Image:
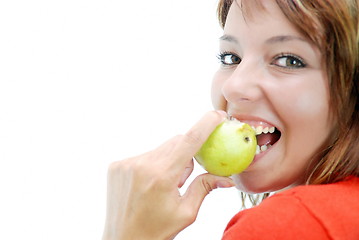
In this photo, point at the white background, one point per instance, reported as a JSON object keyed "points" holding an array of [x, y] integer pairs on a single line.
{"points": [[84, 83]]}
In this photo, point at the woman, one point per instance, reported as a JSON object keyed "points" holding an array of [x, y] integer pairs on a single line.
{"points": [[292, 65]]}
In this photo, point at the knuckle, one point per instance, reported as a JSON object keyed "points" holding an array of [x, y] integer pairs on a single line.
{"points": [[144, 170], [141, 167], [206, 185], [188, 216], [193, 136], [114, 167], [118, 167]]}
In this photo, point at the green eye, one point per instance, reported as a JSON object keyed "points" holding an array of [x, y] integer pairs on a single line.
{"points": [[229, 58], [289, 61]]}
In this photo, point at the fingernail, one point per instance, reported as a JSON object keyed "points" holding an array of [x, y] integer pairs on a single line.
{"points": [[223, 113], [224, 184]]}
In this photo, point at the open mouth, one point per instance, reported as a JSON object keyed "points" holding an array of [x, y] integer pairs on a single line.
{"points": [[266, 134], [266, 137]]}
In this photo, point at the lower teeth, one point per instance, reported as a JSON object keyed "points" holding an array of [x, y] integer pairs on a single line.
{"points": [[262, 148]]}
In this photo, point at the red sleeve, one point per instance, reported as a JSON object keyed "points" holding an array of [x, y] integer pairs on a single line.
{"points": [[278, 217]]}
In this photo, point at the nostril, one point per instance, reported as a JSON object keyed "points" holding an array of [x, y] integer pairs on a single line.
{"points": [[243, 99]]}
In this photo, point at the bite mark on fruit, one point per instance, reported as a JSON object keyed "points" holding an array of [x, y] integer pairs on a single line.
{"points": [[266, 134], [229, 149]]}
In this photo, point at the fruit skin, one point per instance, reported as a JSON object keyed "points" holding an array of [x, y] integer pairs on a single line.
{"points": [[229, 149]]}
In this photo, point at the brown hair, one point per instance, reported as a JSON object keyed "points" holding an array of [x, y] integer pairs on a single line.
{"points": [[332, 25]]}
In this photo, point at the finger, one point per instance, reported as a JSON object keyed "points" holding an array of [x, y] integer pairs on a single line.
{"points": [[167, 147], [201, 187], [192, 141], [187, 172]]}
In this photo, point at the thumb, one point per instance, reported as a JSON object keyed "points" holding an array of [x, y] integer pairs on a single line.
{"points": [[201, 186]]}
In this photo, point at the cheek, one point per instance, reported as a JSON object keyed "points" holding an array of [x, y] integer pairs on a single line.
{"points": [[312, 104], [218, 100], [308, 103], [305, 114]]}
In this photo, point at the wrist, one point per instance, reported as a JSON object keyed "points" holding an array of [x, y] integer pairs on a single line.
{"points": [[113, 235]]}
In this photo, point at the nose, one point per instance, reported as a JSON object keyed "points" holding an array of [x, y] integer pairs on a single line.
{"points": [[243, 85]]}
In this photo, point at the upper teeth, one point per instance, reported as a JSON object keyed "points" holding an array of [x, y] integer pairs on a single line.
{"points": [[261, 129], [265, 130]]}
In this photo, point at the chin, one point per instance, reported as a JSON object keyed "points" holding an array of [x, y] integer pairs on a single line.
{"points": [[251, 184]]}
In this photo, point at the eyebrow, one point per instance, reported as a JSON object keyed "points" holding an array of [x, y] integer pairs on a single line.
{"points": [[228, 38], [272, 40], [284, 38]]}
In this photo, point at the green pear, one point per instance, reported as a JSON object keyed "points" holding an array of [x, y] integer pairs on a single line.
{"points": [[229, 149]]}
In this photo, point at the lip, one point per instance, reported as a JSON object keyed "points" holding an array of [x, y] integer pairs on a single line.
{"points": [[256, 121], [261, 154], [257, 158], [252, 120]]}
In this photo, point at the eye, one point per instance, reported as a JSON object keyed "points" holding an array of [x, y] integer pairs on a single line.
{"points": [[228, 58], [289, 61]]}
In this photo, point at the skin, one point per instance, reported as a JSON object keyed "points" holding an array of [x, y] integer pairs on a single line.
{"points": [[143, 201], [274, 77]]}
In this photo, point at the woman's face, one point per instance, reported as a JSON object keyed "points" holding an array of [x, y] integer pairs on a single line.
{"points": [[271, 76]]}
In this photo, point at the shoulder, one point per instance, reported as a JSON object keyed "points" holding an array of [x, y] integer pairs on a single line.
{"points": [[305, 212]]}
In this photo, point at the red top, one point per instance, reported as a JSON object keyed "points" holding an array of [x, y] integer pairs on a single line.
{"points": [[317, 212]]}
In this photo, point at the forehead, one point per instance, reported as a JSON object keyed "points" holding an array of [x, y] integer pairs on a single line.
{"points": [[248, 7], [255, 14], [303, 15], [290, 9]]}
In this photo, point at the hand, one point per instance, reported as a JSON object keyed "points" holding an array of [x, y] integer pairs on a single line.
{"points": [[143, 201]]}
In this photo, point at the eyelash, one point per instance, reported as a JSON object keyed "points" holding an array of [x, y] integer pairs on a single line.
{"points": [[301, 63], [298, 60], [221, 57]]}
